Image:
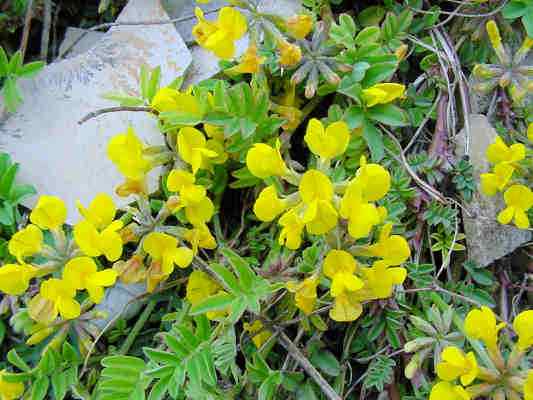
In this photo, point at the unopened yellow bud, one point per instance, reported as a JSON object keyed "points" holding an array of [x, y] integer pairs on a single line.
{"points": [[290, 54], [401, 52], [299, 25], [39, 336]]}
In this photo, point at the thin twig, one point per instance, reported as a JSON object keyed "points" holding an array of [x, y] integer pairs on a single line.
{"points": [[97, 113], [47, 23], [454, 13], [307, 366], [137, 327], [423, 123], [26, 30]]}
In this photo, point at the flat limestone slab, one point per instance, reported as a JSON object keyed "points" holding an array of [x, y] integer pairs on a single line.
{"points": [[60, 157], [87, 42], [487, 240]]}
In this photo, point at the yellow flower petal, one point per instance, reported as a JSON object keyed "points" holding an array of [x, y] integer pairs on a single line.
{"points": [[345, 309], [530, 132], [101, 211], [523, 326], [15, 278], [49, 213], [528, 386], [268, 205], [315, 185], [10, 390], [26, 242], [264, 161], [448, 391], [481, 324], [330, 142], [299, 25], [291, 233], [339, 261]]}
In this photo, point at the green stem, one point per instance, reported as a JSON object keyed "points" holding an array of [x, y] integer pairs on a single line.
{"points": [[137, 327]]}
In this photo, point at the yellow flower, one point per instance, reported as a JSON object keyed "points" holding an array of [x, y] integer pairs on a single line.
{"points": [[60, 294], [10, 390], [265, 161], [82, 273], [98, 234], [218, 148], [165, 253], [214, 132], [15, 278], [523, 326], [299, 25], [168, 99], [530, 132], [448, 391], [330, 142], [382, 93], [289, 54], [126, 152], [291, 233], [492, 183], [380, 279], [481, 324], [249, 63], [316, 191], [305, 293], [340, 267], [200, 236], [401, 51], [374, 179], [200, 286], [392, 249], [268, 205], [498, 152], [456, 364], [519, 199], [192, 148], [220, 36], [346, 308], [198, 207], [132, 270], [258, 333], [49, 213], [26, 242], [528, 386]]}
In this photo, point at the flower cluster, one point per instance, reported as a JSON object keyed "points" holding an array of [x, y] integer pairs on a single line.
{"points": [[507, 176], [503, 378]]}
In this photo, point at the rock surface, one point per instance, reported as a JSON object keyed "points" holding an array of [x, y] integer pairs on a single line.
{"points": [[72, 45], [120, 300], [487, 240], [60, 157]]}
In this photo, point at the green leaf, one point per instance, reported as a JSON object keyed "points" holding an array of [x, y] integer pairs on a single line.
{"points": [[20, 192], [371, 15], [379, 373], [3, 63], [268, 387], [59, 385], [2, 331], [374, 140], [368, 35], [514, 9], [144, 81], [388, 114], [326, 362], [17, 361], [226, 277], [7, 179], [379, 72], [159, 390], [354, 117], [217, 302], [15, 63], [241, 267], [153, 84], [40, 388], [29, 70], [11, 93], [527, 21], [124, 100]]}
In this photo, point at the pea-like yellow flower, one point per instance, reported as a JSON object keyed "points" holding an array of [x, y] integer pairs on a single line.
{"points": [[456, 364], [165, 253], [289, 54], [265, 161], [481, 324], [380, 279], [169, 99], [316, 191], [530, 132], [15, 278], [198, 207], [97, 234], [498, 152], [125, 150], [268, 205], [340, 267], [528, 386], [448, 391], [131, 270], [26, 242], [382, 93], [392, 249], [292, 228], [518, 199], [200, 286], [523, 326], [82, 273], [192, 148], [200, 237], [10, 390], [304, 293], [258, 333], [299, 25], [60, 295], [219, 36], [249, 63], [49, 213], [330, 142], [346, 308], [494, 182], [372, 183]]}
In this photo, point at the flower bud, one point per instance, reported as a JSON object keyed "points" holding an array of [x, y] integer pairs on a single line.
{"points": [[132, 270], [412, 367], [417, 344], [290, 54], [299, 26], [401, 51], [39, 336]]}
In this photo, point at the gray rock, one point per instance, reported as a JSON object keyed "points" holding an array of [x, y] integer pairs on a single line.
{"points": [[120, 302], [487, 240], [77, 41], [62, 158]]}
